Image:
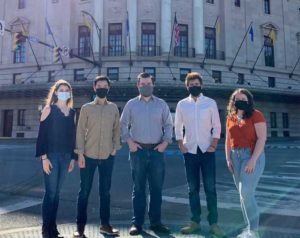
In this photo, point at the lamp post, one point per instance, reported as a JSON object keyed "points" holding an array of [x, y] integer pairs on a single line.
{"points": [[99, 37]]}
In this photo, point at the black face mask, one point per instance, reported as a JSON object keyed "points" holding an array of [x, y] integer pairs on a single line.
{"points": [[101, 92], [241, 105], [195, 90]]}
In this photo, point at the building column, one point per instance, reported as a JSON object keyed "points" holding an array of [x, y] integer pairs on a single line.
{"points": [[166, 25], [132, 13], [198, 26], [98, 15]]}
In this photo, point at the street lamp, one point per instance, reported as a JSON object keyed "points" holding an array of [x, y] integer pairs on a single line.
{"points": [[99, 37]]}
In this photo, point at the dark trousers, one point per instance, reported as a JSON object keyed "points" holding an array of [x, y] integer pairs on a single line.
{"points": [[206, 162], [105, 168], [147, 165], [53, 183]]}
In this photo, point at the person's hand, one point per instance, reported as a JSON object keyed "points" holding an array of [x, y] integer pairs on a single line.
{"points": [[250, 167], [133, 147], [114, 152], [81, 161], [182, 148], [211, 149], [47, 166], [161, 147], [229, 165], [71, 166]]}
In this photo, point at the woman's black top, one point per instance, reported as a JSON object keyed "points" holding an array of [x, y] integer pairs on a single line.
{"points": [[57, 133]]}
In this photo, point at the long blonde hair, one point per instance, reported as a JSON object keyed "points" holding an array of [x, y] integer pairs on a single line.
{"points": [[52, 98]]}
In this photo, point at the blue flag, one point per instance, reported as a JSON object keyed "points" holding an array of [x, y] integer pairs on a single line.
{"points": [[251, 33], [127, 25], [48, 28]]}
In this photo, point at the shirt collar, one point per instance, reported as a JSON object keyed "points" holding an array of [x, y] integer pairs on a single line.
{"points": [[97, 100], [200, 98], [151, 98]]}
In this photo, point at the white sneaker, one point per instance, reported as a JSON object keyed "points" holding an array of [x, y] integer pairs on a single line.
{"points": [[248, 234]]}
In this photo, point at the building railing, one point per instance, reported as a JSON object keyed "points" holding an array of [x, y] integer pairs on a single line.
{"points": [[149, 51], [184, 52]]}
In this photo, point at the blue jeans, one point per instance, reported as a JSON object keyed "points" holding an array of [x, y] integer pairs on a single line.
{"points": [[206, 162], [247, 183], [53, 183], [105, 168], [147, 164]]}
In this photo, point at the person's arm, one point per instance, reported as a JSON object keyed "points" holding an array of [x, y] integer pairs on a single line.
{"points": [[228, 150], [179, 129], [116, 133], [125, 134], [80, 137], [216, 128], [261, 133]]}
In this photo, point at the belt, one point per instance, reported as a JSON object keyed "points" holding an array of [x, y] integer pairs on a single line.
{"points": [[147, 146]]}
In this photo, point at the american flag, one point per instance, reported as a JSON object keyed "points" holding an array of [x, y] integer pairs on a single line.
{"points": [[176, 32]]}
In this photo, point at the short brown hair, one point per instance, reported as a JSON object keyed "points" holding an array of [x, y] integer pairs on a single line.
{"points": [[145, 75], [101, 78], [192, 76]]}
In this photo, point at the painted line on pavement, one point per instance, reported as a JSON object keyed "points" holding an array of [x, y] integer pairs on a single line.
{"points": [[19, 205]]}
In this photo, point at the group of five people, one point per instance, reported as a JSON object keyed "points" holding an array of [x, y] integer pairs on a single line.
{"points": [[146, 126]]}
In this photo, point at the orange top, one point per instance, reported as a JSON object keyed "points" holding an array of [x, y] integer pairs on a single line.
{"points": [[244, 134]]}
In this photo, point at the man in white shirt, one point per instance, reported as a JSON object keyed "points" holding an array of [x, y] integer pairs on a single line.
{"points": [[199, 117]]}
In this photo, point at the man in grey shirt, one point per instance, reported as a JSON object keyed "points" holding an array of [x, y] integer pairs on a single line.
{"points": [[146, 125]]}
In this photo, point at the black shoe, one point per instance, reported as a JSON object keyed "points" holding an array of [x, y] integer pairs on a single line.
{"points": [[79, 233], [135, 230], [160, 228], [55, 232]]}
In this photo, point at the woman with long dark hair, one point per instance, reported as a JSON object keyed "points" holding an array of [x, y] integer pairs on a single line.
{"points": [[55, 146], [245, 140]]}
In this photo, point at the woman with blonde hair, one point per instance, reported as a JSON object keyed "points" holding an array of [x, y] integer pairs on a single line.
{"points": [[55, 146], [245, 140]]}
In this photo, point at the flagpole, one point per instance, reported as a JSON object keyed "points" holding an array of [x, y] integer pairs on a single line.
{"points": [[171, 41], [51, 33], [203, 61], [292, 73], [231, 66], [37, 63], [252, 69], [129, 45]]}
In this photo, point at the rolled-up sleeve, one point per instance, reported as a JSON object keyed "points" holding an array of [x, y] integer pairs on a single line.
{"points": [[216, 125], [81, 131], [125, 123], [178, 123], [167, 124]]}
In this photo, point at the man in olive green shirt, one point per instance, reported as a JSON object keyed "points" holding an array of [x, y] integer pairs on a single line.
{"points": [[97, 139]]}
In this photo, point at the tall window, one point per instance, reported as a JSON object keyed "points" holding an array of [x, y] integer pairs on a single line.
{"points": [[84, 41], [210, 1], [237, 3], [113, 73], [210, 42], [21, 117], [51, 76], [271, 82], [21, 4], [182, 48], [115, 39], [241, 78], [269, 52], [273, 119], [285, 120], [148, 47], [267, 6], [20, 52], [183, 73], [151, 71], [217, 76]]}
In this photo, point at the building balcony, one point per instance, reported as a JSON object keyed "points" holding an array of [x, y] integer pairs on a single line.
{"points": [[113, 51], [149, 51], [184, 52]]}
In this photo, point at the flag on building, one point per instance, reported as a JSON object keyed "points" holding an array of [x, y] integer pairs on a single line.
{"points": [[48, 27], [218, 26], [272, 35], [127, 25], [87, 23], [251, 33], [176, 32]]}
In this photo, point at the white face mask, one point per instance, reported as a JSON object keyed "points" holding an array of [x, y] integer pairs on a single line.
{"points": [[63, 96]]}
